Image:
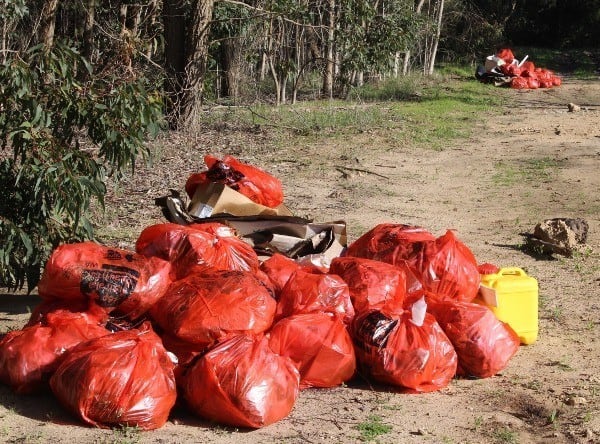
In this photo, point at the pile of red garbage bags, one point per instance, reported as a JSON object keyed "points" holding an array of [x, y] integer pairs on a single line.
{"points": [[193, 314], [519, 74]]}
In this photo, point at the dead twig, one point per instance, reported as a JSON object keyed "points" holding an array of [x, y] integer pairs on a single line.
{"points": [[361, 170]]}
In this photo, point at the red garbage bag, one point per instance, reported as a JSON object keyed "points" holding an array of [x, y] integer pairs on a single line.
{"points": [[313, 291], [449, 269], [48, 306], [391, 243], [528, 67], [184, 351], [279, 268], [506, 55], [204, 307], [230, 252], [242, 383], [165, 241], [519, 83], [533, 83], [211, 245], [372, 284], [510, 70], [319, 345], [112, 278], [483, 343], [28, 357], [253, 182], [556, 81], [124, 378], [397, 351]]}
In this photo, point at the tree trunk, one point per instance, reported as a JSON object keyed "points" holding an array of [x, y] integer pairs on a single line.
{"points": [[174, 30], [48, 22], [196, 60], [88, 30], [407, 54], [230, 66], [436, 39], [329, 63]]}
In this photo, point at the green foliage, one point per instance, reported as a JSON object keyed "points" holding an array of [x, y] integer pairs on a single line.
{"points": [[372, 428], [67, 137]]}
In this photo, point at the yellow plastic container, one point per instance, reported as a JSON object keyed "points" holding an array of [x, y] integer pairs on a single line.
{"points": [[513, 297]]}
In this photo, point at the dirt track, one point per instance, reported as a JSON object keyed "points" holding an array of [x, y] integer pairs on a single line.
{"points": [[534, 161]]}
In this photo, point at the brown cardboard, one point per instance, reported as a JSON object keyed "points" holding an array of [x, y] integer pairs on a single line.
{"points": [[215, 198], [291, 236]]}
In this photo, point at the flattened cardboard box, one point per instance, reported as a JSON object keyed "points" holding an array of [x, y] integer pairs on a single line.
{"points": [[267, 230], [294, 237], [216, 198]]}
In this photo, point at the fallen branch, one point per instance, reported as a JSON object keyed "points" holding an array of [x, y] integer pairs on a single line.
{"points": [[361, 170]]}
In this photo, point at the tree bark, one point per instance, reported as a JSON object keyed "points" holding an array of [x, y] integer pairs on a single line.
{"points": [[174, 30], [436, 39], [196, 59], [329, 63], [88, 30], [48, 22]]}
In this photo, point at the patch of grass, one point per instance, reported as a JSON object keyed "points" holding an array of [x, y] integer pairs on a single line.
{"points": [[372, 428], [429, 110], [563, 364], [126, 435], [532, 170], [556, 314], [478, 422], [403, 88], [504, 436], [535, 385]]}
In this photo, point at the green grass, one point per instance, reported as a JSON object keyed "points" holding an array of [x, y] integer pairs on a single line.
{"points": [[427, 111], [372, 428], [126, 435], [505, 436], [532, 170]]}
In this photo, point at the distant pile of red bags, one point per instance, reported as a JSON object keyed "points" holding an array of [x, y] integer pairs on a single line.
{"points": [[194, 315], [527, 75]]}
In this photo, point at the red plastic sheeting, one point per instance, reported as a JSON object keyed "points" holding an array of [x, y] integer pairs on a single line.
{"points": [[253, 182], [112, 278], [28, 357], [242, 383], [122, 379], [319, 345], [204, 308]]}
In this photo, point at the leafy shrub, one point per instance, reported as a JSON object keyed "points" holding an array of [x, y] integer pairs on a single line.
{"points": [[68, 131]]}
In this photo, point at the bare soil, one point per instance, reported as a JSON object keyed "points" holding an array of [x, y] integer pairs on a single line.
{"points": [[531, 161]]}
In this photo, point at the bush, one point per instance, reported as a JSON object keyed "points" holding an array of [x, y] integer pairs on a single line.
{"points": [[68, 131]]}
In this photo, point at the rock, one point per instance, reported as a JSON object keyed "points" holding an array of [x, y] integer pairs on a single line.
{"points": [[559, 235], [573, 108], [576, 400]]}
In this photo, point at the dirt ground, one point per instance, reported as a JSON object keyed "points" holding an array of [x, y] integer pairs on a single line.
{"points": [[534, 160]]}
